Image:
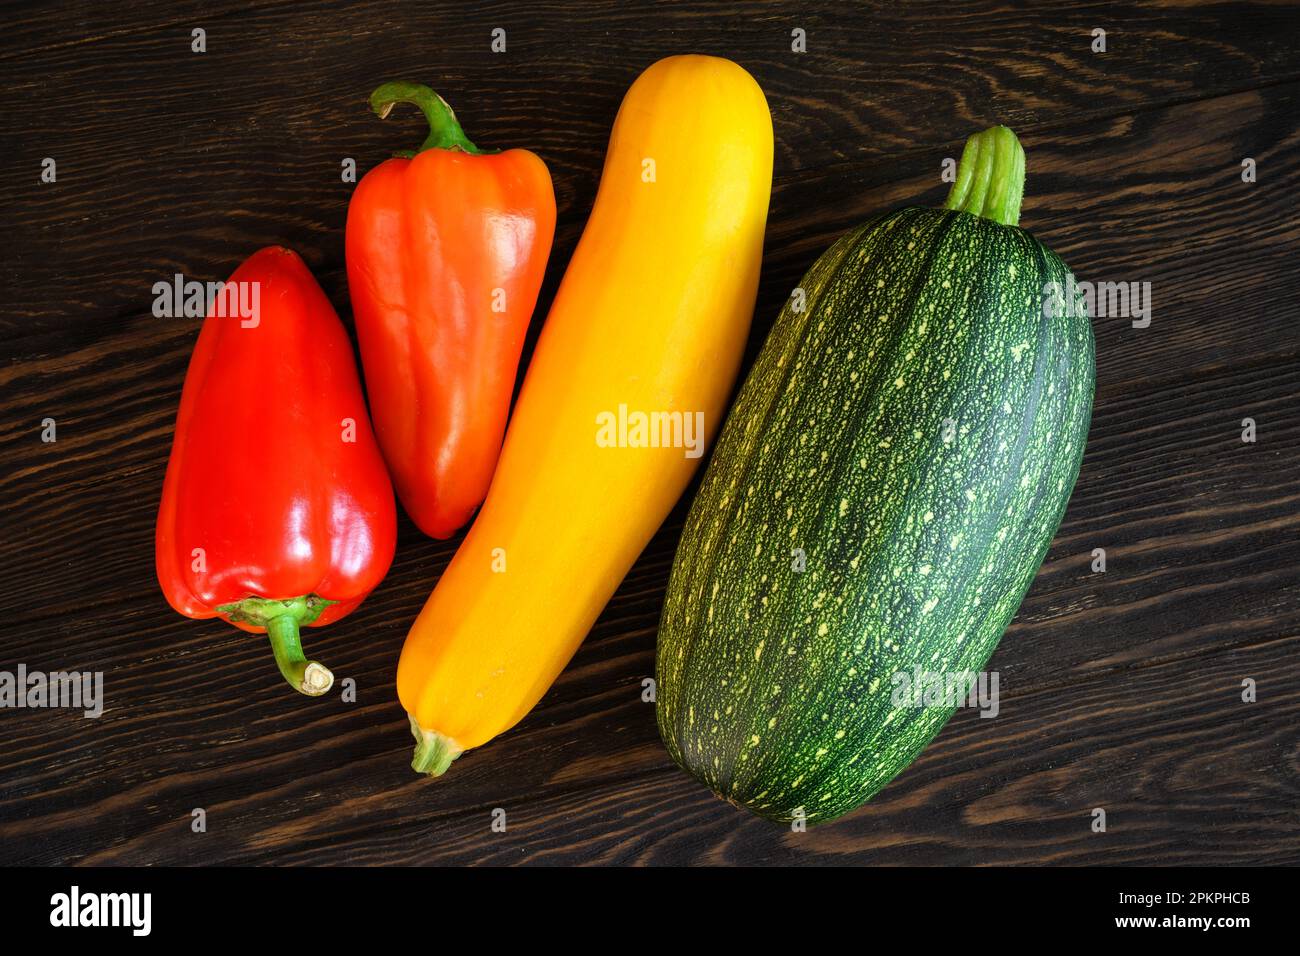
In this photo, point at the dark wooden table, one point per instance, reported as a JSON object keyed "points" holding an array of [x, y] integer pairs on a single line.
{"points": [[1120, 690]]}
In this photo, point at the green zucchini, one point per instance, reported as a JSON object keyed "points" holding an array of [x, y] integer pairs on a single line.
{"points": [[879, 500]]}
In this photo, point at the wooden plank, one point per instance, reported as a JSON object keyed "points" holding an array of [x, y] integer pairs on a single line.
{"points": [[167, 164], [1177, 746], [1153, 198], [1203, 568], [872, 68]]}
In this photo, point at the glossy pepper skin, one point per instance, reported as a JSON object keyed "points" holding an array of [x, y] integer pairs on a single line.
{"points": [[446, 250], [276, 510]]}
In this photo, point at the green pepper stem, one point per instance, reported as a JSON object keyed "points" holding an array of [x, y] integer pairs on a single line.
{"points": [[444, 130], [311, 678], [434, 752], [282, 619], [990, 177]]}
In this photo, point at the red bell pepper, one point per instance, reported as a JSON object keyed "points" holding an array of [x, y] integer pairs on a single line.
{"points": [[276, 510], [446, 250]]}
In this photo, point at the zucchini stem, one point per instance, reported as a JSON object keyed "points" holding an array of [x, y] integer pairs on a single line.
{"points": [[990, 177], [434, 752]]}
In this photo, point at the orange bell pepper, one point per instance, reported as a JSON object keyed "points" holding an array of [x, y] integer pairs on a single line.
{"points": [[446, 250]]}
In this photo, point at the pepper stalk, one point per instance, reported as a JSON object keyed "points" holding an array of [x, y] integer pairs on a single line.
{"points": [[283, 620]]}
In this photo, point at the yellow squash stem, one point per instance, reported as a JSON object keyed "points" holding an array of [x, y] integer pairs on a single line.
{"points": [[434, 752]]}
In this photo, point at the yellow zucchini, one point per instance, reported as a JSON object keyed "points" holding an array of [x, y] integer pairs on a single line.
{"points": [[650, 319]]}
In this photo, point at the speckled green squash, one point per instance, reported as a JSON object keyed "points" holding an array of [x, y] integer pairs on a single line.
{"points": [[914, 433]]}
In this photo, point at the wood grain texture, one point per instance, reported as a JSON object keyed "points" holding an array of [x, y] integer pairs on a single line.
{"points": [[1119, 690]]}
